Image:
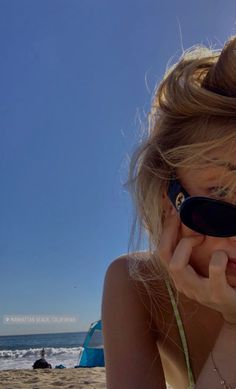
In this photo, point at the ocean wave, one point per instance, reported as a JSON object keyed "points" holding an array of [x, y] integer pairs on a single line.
{"points": [[35, 352]]}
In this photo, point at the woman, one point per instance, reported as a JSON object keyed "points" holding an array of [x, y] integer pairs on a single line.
{"points": [[169, 313]]}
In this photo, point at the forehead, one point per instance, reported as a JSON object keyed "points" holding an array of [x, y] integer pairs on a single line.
{"points": [[216, 167]]}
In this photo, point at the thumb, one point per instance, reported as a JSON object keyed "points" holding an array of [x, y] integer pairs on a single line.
{"points": [[219, 260], [217, 268]]}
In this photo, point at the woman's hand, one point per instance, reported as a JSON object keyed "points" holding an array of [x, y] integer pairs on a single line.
{"points": [[213, 292]]}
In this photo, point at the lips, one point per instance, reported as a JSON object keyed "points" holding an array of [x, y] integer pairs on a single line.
{"points": [[231, 266], [232, 260]]}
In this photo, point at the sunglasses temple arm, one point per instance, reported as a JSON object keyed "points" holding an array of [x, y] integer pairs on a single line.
{"points": [[174, 190]]}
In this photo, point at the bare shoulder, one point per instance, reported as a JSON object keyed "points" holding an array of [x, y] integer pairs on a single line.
{"points": [[128, 337], [118, 275], [125, 262]]}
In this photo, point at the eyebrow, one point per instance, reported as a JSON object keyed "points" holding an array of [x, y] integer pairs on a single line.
{"points": [[227, 165]]}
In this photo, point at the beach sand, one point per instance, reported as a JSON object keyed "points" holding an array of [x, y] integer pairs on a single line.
{"points": [[81, 378], [89, 378]]}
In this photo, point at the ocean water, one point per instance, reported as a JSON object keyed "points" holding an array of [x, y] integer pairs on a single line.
{"points": [[21, 351]]}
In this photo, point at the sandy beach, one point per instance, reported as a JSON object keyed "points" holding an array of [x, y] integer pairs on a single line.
{"points": [[89, 378], [82, 378]]}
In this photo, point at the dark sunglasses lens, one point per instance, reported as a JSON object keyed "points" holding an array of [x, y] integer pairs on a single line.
{"points": [[209, 217]]}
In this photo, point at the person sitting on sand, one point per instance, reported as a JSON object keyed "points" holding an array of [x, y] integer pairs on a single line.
{"points": [[42, 363]]}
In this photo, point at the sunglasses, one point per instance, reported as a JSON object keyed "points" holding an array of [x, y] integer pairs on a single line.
{"points": [[203, 214]]}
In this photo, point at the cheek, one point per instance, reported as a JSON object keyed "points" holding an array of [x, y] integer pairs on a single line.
{"points": [[185, 231], [199, 260]]}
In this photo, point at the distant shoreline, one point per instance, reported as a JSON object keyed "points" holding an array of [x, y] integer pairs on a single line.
{"points": [[46, 333]]}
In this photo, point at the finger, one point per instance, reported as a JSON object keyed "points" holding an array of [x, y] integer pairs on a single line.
{"points": [[183, 251], [184, 276], [217, 276], [168, 240]]}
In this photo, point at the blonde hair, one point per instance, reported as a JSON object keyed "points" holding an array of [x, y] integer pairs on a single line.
{"points": [[193, 112]]}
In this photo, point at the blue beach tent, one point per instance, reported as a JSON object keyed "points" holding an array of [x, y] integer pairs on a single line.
{"points": [[91, 356]]}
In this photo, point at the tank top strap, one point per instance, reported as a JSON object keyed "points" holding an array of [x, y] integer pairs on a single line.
{"points": [[182, 335]]}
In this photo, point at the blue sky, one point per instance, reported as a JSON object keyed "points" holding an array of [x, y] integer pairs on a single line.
{"points": [[76, 79]]}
